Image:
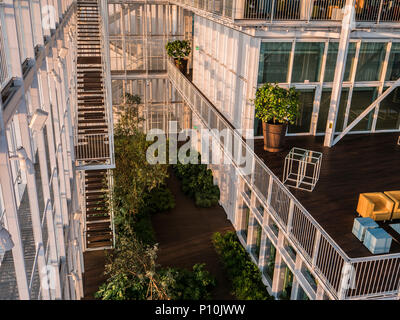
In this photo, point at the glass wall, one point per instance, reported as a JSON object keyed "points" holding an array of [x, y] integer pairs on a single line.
{"points": [[389, 112], [274, 62], [269, 259], [307, 61], [303, 121], [257, 240], [362, 83], [370, 61]]}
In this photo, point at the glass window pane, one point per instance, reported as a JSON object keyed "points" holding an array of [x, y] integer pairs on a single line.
{"points": [[389, 112], [393, 70], [303, 121], [307, 61], [361, 99], [269, 259], [351, 54], [370, 61], [324, 110], [331, 61], [257, 237], [274, 62]]}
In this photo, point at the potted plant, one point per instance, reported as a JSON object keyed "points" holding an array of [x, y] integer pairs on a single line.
{"points": [[179, 50], [276, 107]]}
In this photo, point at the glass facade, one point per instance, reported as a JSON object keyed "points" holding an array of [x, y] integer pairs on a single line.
{"points": [[331, 61], [361, 85], [303, 121], [370, 61], [269, 259], [389, 112], [360, 100], [393, 70], [274, 62], [257, 240], [307, 61]]}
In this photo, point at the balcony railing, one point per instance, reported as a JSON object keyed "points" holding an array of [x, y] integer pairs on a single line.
{"points": [[320, 252], [299, 10]]}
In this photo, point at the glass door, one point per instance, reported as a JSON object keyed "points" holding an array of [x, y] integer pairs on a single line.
{"points": [[303, 122]]}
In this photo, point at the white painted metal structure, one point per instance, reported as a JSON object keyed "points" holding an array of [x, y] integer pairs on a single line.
{"points": [[39, 193]]}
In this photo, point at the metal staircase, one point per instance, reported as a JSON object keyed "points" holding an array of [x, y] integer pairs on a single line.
{"points": [[93, 135]]}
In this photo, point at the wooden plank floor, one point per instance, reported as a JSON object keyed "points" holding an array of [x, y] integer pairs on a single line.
{"points": [[357, 164], [94, 275], [184, 236]]}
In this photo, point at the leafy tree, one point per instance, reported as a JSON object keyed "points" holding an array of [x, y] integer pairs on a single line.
{"points": [[276, 105], [134, 176], [178, 50]]}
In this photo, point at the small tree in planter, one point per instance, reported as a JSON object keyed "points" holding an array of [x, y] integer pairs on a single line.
{"points": [[276, 107], [179, 50]]}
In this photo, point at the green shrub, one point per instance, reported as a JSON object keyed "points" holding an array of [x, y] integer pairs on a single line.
{"points": [[242, 272], [191, 285], [158, 200], [275, 105], [197, 183]]}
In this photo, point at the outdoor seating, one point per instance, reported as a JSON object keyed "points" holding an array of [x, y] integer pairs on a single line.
{"points": [[375, 205], [395, 197], [377, 241], [361, 225]]}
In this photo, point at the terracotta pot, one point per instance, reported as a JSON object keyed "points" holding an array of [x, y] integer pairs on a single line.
{"points": [[182, 66], [274, 136]]}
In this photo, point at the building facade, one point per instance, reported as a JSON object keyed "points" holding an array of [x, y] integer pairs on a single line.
{"points": [[66, 66]]}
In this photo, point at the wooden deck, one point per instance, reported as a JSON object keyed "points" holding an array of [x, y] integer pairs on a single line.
{"points": [[357, 164]]}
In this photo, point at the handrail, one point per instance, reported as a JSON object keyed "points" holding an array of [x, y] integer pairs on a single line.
{"points": [[304, 10], [326, 248]]}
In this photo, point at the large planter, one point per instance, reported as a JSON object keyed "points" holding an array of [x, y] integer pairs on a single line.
{"points": [[274, 136], [182, 65]]}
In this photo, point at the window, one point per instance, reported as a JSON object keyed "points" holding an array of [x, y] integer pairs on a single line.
{"points": [[287, 285], [370, 61], [393, 70], [309, 277], [389, 111], [269, 259], [324, 110], [350, 61], [303, 121], [361, 99], [331, 58], [307, 61], [274, 62], [245, 223], [257, 240]]}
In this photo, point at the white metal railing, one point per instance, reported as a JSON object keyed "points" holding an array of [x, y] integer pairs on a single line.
{"points": [[298, 10], [319, 250]]}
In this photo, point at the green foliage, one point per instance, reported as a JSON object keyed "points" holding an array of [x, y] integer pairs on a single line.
{"points": [[178, 49], [132, 272], [158, 200], [243, 273], [134, 275], [191, 285], [275, 105], [197, 183], [136, 181]]}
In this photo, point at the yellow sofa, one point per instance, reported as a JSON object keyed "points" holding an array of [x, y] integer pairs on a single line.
{"points": [[375, 205], [395, 197]]}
